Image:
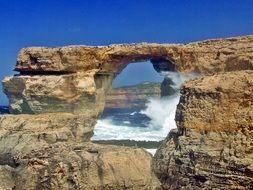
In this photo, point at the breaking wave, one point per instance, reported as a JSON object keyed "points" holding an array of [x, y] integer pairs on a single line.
{"points": [[161, 112]]}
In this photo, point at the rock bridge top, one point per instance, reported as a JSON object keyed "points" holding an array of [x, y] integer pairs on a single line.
{"points": [[75, 79], [210, 56]]}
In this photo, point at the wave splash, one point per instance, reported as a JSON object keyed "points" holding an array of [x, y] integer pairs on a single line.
{"points": [[161, 112]]}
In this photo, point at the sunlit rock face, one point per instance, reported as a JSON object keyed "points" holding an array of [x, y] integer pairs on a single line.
{"points": [[75, 79], [80, 166], [60, 92], [212, 145], [44, 128], [52, 151], [71, 93], [210, 56]]}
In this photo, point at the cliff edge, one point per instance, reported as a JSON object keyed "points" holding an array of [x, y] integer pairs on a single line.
{"points": [[60, 92], [212, 146]]}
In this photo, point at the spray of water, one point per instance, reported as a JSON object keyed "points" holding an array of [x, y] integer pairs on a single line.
{"points": [[161, 111]]}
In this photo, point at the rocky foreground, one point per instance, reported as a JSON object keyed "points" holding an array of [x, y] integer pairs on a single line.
{"points": [[53, 151], [59, 93], [212, 146]]}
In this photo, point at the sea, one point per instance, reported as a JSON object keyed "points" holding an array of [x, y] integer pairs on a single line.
{"points": [[150, 124], [4, 110]]}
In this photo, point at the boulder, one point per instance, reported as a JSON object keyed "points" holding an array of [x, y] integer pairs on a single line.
{"points": [[52, 151], [80, 166], [167, 88]]}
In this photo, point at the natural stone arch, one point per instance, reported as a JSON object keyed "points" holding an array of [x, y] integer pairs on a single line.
{"points": [[69, 75], [210, 56], [75, 79]]}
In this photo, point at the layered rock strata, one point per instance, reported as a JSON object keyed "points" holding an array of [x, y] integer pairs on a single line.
{"points": [[210, 56], [71, 93], [132, 97], [53, 151], [63, 91], [137, 96], [212, 146], [80, 76]]}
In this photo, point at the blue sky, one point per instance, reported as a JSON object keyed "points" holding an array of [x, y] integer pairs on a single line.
{"points": [[26, 23]]}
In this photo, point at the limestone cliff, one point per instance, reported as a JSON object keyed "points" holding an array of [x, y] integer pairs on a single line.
{"points": [[60, 92], [76, 78], [212, 146], [71, 93], [52, 151], [210, 56], [133, 96]]}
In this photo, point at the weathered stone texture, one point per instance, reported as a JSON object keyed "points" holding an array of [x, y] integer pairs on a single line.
{"points": [[63, 89], [71, 93], [51, 151], [44, 128], [81, 166], [210, 56], [6, 177], [212, 146], [75, 79]]}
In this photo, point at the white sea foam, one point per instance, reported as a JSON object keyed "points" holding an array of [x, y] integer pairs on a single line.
{"points": [[106, 130], [161, 111], [133, 113], [152, 151]]}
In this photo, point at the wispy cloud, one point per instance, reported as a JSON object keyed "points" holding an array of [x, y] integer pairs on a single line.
{"points": [[75, 29]]}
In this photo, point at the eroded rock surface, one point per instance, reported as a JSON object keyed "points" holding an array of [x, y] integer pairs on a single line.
{"points": [[65, 89], [81, 166], [75, 79], [71, 93], [44, 128], [132, 97], [6, 177], [52, 151], [212, 146], [210, 56]]}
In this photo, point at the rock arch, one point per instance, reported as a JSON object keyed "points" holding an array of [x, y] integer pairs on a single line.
{"points": [[210, 56], [52, 149], [75, 79]]}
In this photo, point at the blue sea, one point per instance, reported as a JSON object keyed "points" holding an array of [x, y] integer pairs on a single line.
{"points": [[4, 110], [150, 124]]}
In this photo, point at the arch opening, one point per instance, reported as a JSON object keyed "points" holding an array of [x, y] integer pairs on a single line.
{"points": [[140, 109], [161, 64]]}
